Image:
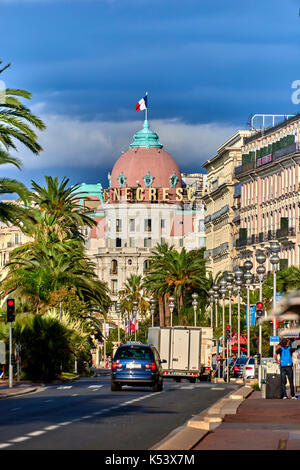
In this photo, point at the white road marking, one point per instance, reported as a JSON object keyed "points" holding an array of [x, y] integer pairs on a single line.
{"points": [[51, 428], [6, 444], [64, 387], [65, 423], [20, 439], [95, 386], [36, 433]]}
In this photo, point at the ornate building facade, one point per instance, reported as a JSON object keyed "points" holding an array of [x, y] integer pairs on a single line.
{"points": [[148, 202], [219, 199], [269, 179]]}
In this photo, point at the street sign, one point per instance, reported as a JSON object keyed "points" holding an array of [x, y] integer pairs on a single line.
{"points": [[252, 310], [274, 340]]}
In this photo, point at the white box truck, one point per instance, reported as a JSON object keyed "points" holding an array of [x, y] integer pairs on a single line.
{"points": [[186, 351]]}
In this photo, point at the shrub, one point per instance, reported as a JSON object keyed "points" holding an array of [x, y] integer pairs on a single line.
{"points": [[44, 346]]}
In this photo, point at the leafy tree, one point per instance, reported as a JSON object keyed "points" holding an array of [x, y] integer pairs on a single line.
{"points": [[55, 258], [17, 124], [44, 346], [177, 274], [134, 291]]}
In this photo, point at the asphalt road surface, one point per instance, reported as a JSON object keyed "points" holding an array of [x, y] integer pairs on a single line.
{"points": [[86, 415]]}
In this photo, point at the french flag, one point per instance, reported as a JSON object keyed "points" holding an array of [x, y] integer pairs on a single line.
{"points": [[142, 104]]}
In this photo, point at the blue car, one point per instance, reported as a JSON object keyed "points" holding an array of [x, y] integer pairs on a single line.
{"points": [[136, 364]]}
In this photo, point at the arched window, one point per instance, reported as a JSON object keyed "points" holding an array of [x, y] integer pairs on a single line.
{"points": [[114, 267], [146, 265]]}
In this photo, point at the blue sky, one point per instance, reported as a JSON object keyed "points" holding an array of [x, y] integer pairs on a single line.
{"points": [[207, 66]]}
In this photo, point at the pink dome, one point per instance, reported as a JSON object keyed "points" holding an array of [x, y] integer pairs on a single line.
{"points": [[135, 164], [146, 165]]}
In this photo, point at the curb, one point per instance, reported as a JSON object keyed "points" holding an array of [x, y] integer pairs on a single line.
{"points": [[19, 392], [14, 391], [190, 434]]}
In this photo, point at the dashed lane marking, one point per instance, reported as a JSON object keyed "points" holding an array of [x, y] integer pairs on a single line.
{"points": [[40, 432]]}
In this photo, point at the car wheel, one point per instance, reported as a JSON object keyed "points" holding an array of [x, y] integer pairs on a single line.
{"points": [[115, 387], [156, 387]]}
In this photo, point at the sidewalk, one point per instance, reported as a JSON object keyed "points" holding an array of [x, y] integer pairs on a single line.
{"points": [[242, 420], [259, 424], [20, 388]]}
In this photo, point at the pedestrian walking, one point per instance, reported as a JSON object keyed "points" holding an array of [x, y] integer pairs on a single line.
{"points": [[284, 352]]}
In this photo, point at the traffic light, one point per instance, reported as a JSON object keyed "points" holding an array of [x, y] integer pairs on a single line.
{"points": [[258, 358], [10, 310], [259, 309], [227, 333]]}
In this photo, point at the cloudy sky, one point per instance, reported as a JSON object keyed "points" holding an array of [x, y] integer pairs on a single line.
{"points": [[207, 66]]}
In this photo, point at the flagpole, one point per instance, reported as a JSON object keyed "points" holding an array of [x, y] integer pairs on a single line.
{"points": [[146, 110]]}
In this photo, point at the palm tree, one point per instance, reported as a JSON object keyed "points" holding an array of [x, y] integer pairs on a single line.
{"points": [[36, 271], [134, 291], [61, 205], [54, 260], [16, 124], [179, 274]]}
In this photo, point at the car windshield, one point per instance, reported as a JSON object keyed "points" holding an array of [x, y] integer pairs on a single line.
{"points": [[134, 352], [251, 361]]}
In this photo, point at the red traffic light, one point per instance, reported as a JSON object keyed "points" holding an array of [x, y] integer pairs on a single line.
{"points": [[228, 327], [259, 305], [10, 302]]}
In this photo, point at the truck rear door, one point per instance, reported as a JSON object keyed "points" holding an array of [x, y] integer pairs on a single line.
{"points": [[195, 349], [180, 349], [164, 346]]}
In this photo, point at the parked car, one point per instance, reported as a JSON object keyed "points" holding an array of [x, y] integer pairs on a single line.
{"points": [[136, 364], [236, 369], [249, 369]]}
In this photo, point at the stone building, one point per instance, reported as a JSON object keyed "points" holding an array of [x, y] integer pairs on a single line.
{"points": [[269, 178], [219, 203]]}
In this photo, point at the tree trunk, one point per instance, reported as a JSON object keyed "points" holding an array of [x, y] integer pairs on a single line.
{"points": [[161, 311], [167, 312]]}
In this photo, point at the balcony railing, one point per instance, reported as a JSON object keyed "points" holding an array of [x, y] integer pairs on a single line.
{"points": [[265, 237]]}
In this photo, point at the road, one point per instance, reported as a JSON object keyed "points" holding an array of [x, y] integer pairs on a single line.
{"points": [[86, 415]]}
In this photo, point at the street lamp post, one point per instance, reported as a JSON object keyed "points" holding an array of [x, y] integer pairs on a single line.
{"points": [[195, 305], [135, 310], [239, 283], [171, 307], [248, 265], [216, 297], [152, 309], [260, 270], [118, 311], [211, 303], [274, 260], [223, 291], [229, 279]]}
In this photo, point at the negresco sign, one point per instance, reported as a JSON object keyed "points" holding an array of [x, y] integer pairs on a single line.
{"points": [[149, 194]]}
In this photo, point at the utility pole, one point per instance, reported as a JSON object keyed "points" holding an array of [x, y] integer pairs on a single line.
{"points": [[10, 304]]}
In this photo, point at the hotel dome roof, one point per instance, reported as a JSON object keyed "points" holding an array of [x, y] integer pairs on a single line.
{"points": [[146, 164]]}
